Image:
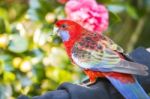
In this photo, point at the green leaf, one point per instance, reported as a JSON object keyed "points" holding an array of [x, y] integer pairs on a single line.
{"points": [[1, 66], [4, 13], [2, 92], [132, 11], [39, 8], [147, 5], [9, 76], [2, 26], [104, 1], [116, 8], [113, 18], [18, 44]]}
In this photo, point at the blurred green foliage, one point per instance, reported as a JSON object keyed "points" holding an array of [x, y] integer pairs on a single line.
{"points": [[32, 62]]}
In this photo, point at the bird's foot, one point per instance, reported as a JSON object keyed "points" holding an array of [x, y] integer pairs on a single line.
{"points": [[87, 82]]}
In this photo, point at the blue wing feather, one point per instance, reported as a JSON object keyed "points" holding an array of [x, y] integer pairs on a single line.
{"points": [[129, 90]]}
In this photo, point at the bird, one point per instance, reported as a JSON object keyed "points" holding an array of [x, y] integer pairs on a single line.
{"points": [[100, 57]]}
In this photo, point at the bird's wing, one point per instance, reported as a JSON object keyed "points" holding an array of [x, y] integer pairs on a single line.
{"points": [[110, 44], [90, 52]]}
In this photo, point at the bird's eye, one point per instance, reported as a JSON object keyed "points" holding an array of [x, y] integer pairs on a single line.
{"points": [[64, 26]]}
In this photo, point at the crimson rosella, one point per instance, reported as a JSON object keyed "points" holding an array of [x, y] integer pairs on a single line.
{"points": [[99, 56]]}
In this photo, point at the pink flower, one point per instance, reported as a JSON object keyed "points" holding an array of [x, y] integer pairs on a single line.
{"points": [[88, 13]]}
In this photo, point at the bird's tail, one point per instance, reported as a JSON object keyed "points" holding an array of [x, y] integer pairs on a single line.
{"points": [[129, 90]]}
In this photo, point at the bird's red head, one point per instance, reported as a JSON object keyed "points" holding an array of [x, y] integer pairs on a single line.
{"points": [[68, 30]]}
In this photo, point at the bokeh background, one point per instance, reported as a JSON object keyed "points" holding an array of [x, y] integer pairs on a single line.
{"points": [[32, 62]]}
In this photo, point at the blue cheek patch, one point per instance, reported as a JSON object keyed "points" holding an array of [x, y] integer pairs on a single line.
{"points": [[64, 35]]}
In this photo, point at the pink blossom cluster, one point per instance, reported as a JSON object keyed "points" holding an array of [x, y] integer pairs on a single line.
{"points": [[88, 13]]}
